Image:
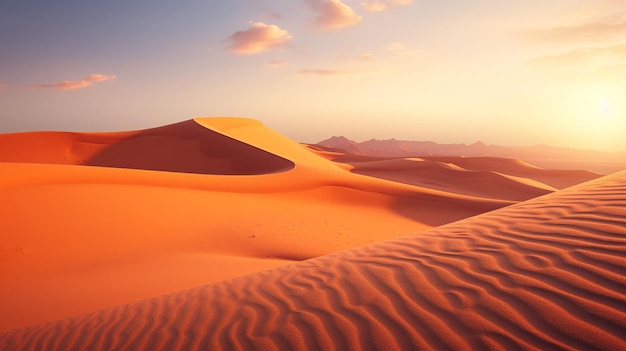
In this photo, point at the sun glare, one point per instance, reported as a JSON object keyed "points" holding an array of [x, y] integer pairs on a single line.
{"points": [[604, 106]]}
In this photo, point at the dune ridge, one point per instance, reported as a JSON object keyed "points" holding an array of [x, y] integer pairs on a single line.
{"points": [[223, 146], [453, 178], [542, 155], [96, 237], [548, 273], [487, 177], [557, 178], [181, 147]]}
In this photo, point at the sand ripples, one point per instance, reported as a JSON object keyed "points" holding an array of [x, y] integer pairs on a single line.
{"points": [[546, 274]]}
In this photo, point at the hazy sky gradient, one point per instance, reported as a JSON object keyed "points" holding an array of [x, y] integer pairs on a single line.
{"points": [[517, 72]]}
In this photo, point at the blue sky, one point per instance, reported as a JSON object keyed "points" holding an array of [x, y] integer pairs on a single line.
{"points": [[514, 73]]}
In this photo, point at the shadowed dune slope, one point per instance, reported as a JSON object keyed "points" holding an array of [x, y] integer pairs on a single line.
{"points": [[97, 237], [549, 273], [182, 147], [556, 178], [488, 177], [452, 178], [191, 148], [553, 177]]}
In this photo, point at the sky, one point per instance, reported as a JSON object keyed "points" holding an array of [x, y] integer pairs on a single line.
{"points": [[516, 72]]}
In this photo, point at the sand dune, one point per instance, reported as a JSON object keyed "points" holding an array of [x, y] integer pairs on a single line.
{"points": [[557, 178], [553, 177], [182, 147], [452, 178], [490, 177], [96, 220], [96, 237], [549, 273], [542, 155]]}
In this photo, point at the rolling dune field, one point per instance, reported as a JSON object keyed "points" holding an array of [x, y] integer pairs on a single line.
{"points": [[219, 233]]}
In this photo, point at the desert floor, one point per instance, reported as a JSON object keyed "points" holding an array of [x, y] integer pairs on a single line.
{"points": [[219, 233]]}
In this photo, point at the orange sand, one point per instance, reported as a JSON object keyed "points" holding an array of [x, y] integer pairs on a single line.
{"points": [[78, 239]]}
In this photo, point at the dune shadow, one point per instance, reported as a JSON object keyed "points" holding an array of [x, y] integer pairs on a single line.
{"points": [[435, 211], [189, 148]]}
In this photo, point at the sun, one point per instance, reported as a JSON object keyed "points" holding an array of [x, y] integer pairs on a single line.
{"points": [[604, 105]]}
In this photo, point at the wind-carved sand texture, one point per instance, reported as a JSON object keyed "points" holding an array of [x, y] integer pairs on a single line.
{"points": [[549, 273], [80, 237], [477, 176]]}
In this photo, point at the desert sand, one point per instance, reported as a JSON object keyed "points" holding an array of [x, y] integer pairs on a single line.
{"points": [[219, 233], [540, 155]]}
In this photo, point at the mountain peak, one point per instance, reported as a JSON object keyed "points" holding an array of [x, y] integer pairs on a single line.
{"points": [[478, 144], [341, 142]]}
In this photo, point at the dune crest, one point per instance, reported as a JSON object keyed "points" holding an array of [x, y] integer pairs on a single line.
{"points": [[542, 155], [181, 147], [453, 178], [97, 220], [549, 273], [487, 177], [104, 236]]}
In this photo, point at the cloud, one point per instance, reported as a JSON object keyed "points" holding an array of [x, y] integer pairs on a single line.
{"points": [[596, 46], [276, 63], [600, 30], [79, 84], [66, 85], [325, 72], [383, 5], [258, 38], [400, 49], [333, 14], [94, 78], [607, 61]]}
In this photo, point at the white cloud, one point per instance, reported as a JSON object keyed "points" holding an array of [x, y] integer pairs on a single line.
{"points": [[400, 49], [333, 14], [607, 62], [78, 84], [258, 38], [604, 24], [98, 77]]}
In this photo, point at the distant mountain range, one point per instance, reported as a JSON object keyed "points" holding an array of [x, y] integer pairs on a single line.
{"points": [[540, 155]]}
